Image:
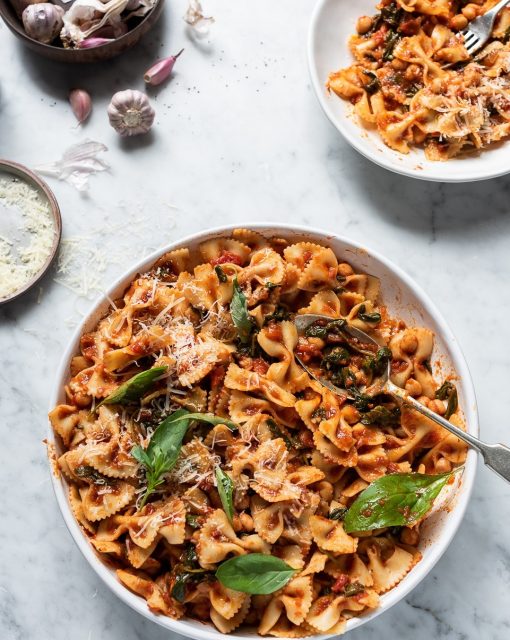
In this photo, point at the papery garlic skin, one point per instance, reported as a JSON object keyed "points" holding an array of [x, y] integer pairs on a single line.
{"points": [[21, 5], [43, 21], [81, 104], [130, 113], [91, 43]]}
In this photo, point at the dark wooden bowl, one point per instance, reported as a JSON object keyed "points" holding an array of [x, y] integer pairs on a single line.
{"points": [[19, 171], [97, 54]]}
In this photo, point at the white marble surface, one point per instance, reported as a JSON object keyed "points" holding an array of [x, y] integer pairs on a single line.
{"points": [[239, 136]]}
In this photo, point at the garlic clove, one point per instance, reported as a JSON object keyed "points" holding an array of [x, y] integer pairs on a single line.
{"points": [[160, 70], [43, 21], [90, 43], [21, 5], [130, 113], [81, 104]]}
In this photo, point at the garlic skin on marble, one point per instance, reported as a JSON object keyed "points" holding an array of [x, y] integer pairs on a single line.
{"points": [[130, 113], [43, 21]]}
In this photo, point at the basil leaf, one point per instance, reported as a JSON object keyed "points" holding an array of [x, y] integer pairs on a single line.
{"points": [[192, 520], [225, 488], [212, 419], [255, 573], [179, 589], [448, 391], [398, 499], [239, 312], [353, 588], [134, 388]]}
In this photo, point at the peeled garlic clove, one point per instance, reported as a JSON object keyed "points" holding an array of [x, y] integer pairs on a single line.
{"points": [[43, 22], [130, 113], [160, 70], [81, 104]]}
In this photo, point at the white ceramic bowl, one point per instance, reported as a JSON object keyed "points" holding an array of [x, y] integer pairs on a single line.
{"points": [[332, 23], [403, 298]]}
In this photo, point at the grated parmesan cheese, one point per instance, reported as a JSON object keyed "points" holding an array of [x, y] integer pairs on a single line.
{"points": [[28, 234]]}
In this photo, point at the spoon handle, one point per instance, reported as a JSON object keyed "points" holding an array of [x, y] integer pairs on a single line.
{"points": [[495, 456]]}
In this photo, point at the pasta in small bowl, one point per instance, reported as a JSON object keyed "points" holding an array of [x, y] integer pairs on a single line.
{"points": [[208, 478], [395, 79]]}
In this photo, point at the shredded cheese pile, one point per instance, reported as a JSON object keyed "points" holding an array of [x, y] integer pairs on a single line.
{"points": [[20, 263]]}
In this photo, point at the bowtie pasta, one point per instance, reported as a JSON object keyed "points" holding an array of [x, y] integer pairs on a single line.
{"points": [[271, 460], [400, 86]]}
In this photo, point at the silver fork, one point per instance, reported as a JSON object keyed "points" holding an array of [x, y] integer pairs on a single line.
{"points": [[479, 30]]}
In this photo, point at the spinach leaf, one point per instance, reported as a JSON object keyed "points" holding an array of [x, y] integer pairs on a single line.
{"points": [[255, 573], [382, 416], [337, 356], [88, 472], [192, 520], [186, 571], [239, 312], [353, 588], [134, 388], [373, 85], [379, 362], [320, 330], [368, 317], [278, 315], [291, 442], [398, 499], [272, 285], [222, 276], [225, 488], [448, 391], [390, 43], [338, 514]]}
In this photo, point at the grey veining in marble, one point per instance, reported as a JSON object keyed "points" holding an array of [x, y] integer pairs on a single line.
{"points": [[238, 136]]}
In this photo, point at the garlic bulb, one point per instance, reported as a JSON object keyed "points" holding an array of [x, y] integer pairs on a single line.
{"points": [[43, 21], [130, 113]]}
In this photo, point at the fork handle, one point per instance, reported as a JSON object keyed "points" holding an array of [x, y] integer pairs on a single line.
{"points": [[492, 13], [495, 456]]}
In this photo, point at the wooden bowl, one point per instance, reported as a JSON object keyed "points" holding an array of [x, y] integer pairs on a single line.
{"points": [[19, 171], [97, 54]]}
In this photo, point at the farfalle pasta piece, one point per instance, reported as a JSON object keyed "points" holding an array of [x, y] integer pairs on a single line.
{"points": [[232, 251], [226, 602], [326, 612], [267, 519], [388, 573], [324, 303], [294, 601], [266, 269], [137, 556], [251, 381], [227, 626], [250, 238], [279, 342], [320, 272], [330, 536], [64, 419], [100, 501], [77, 509], [148, 589]]}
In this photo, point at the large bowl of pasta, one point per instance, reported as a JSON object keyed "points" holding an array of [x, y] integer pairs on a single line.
{"points": [[212, 483], [396, 81]]}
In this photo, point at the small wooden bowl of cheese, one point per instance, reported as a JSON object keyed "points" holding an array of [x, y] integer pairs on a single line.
{"points": [[30, 229]]}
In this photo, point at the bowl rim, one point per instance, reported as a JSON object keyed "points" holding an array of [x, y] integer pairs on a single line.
{"points": [[28, 176], [431, 175], [15, 25], [455, 516]]}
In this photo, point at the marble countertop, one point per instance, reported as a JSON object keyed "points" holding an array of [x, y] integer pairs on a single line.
{"points": [[239, 136]]}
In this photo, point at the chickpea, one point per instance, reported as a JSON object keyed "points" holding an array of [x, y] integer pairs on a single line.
{"points": [[317, 342], [325, 490], [364, 25], [350, 414], [246, 521], [443, 465], [470, 11], [436, 86], [458, 22], [414, 72], [237, 525], [410, 536], [424, 400], [345, 269], [413, 388], [409, 343], [397, 64], [437, 407]]}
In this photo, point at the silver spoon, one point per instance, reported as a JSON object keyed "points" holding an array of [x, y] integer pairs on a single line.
{"points": [[495, 456]]}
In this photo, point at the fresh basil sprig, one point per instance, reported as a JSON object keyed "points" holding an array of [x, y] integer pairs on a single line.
{"points": [[448, 391], [225, 488], [255, 573], [164, 448], [239, 312], [395, 500], [134, 388]]}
